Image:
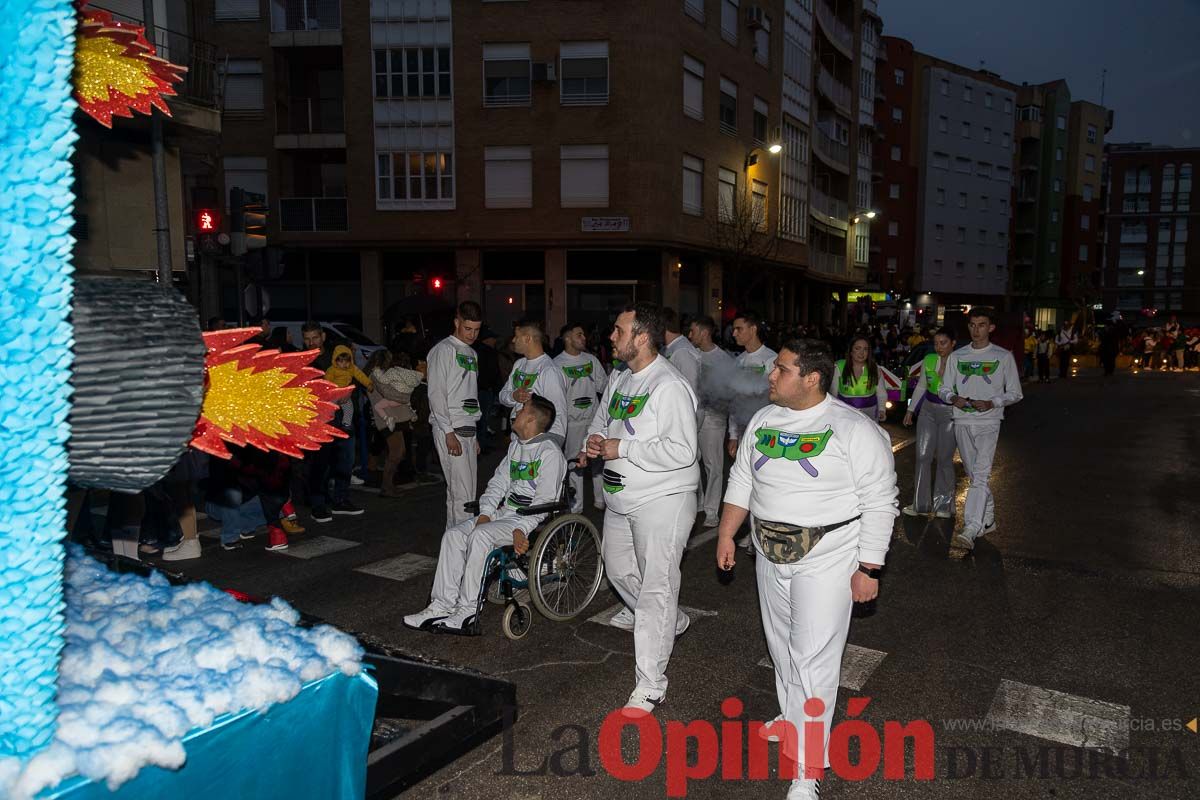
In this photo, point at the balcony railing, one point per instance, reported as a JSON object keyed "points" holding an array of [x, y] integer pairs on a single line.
{"points": [[828, 206], [296, 115], [306, 15], [833, 151], [829, 263], [837, 30], [313, 214], [834, 89]]}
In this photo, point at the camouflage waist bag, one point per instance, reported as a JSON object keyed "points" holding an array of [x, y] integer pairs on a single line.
{"points": [[787, 544]]}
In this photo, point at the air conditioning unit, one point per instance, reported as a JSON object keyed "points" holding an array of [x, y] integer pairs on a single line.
{"points": [[755, 17], [545, 72]]}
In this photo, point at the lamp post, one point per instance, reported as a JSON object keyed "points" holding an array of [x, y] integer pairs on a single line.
{"points": [[774, 148]]}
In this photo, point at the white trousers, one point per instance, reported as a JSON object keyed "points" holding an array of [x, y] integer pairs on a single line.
{"points": [[576, 433], [460, 474], [712, 456], [642, 551], [977, 446], [465, 548], [935, 441], [806, 617]]}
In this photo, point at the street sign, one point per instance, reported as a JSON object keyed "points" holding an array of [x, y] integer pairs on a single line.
{"points": [[604, 224]]}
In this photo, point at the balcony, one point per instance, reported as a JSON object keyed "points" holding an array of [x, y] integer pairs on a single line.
{"points": [[828, 210], [306, 23], [835, 30], [836, 91], [831, 151], [313, 214], [308, 123], [1028, 129], [828, 263]]}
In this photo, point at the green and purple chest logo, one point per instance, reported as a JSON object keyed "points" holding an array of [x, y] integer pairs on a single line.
{"points": [[981, 369], [577, 372], [525, 471], [757, 369], [523, 380], [468, 363], [799, 447], [625, 407]]}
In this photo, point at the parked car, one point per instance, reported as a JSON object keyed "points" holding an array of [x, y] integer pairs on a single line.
{"points": [[362, 345]]}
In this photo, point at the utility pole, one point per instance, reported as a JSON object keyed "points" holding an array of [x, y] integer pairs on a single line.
{"points": [[162, 221]]}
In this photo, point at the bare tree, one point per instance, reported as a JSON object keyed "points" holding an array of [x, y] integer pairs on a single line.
{"points": [[739, 232]]}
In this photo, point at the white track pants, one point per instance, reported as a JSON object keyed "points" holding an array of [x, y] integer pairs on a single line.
{"points": [[712, 456], [642, 551], [977, 446], [465, 548], [576, 433], [460, 474], [806, 616], [935, 442]]}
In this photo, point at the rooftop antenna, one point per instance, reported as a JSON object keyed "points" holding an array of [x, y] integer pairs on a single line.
{"points": [[1103, 80]]}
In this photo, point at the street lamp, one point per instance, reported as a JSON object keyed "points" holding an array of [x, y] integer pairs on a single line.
{"points": [[1141, 272], [774, 148], [864, 215]]}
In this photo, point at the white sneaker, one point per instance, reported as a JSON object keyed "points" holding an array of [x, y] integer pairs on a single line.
{"points": [[967, 538], [988, 527], [425, 619], [623, 619], [912, 511], [770, 736], [643, 700], [944, 513], [355, 480], [712, 522], [185, 550], [805, 789], [461, 623], [682, 623]]}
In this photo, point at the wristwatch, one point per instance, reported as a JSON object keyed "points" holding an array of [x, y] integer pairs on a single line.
{"points": [[870, 572]]}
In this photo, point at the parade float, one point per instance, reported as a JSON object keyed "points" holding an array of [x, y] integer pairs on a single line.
{"points": [[129, 681]]}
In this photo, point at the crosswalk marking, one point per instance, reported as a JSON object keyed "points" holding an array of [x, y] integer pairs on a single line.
{"points": [[1060, 717], [400, 568], [857, 665], [318, 546], [605, 616]]}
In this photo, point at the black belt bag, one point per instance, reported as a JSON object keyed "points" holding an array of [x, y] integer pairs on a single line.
{"points": [[782, 543]]}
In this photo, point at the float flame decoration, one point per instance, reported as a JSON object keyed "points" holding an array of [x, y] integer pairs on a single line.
{"points": [[264, 398], [117, 70]]}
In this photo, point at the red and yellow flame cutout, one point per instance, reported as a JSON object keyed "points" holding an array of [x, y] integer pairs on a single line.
{"points": [[117, 70], [264, 398]]}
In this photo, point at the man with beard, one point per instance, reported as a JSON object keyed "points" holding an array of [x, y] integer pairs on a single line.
{"points": [[645, 430]]}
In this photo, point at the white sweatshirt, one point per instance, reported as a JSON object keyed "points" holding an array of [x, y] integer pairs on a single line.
{"points": [[540, 376], [760, 362], [585, 379], [653, 413], [986, 374], [820, 466], [453, 386], [531, 474], [716, 366], [684, 357]]}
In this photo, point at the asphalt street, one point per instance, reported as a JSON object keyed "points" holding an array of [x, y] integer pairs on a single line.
{"points": [[1073, 626]]}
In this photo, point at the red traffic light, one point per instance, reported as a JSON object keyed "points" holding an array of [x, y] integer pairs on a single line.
{"points": [[207, 220], [437, 283]]}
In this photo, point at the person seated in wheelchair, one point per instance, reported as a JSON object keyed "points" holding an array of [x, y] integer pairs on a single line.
{"points": [[531, 475]]}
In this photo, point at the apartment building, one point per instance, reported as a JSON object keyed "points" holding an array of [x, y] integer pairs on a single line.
{"points": [[1150, 266], [549, 158]]}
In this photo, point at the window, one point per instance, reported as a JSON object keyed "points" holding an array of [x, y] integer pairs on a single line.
{"points": [[506, 75], [793, 174], [866, 84], [243, 85], [944, 87], [980, 271], [693, 88], [899, 74], [1061, 122], [999, 270], [939, 232], [761, 112], [962, 199], [1134, 232], [1089, 163], [962, 165], [894, 191], [762, 42], [1003, 173], [1091, 134], [943, 124], [729, 20], [941, 160], [1166, 200], [726, 194], [968, 94], [248, 173], [960, 268], [758, 208], [415, 176], [1007, 105], [1053, 246], [1083, 253], [1088, 192], [893, 228], [1029, 114], [961, 235], [1054, 216], [987, 135], [940, 196], [987, 99], [1184, 201], [937, 266], [693, 185], [862, 243], [728, 108], [508, 177], [583, 73], [1004, 206], [1006, 140], [694, 9], [1058, 154], [983, 202], [895, 152], [1057, 184], [412, 72], [584, 176], [966, 130], [983, 169], [229, 10], [983, 235], [891, 264], [1085, 222], [1002, 238], [897, 115]]}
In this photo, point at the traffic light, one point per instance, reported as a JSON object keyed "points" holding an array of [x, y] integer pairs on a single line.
{"points": [[254, 213], [436, 284], [208, 220]]}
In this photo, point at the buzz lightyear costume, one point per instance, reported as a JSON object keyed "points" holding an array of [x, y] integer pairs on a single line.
{"points": [[454, 408], [935, 441], [540, 376], [585, 380], [857, 392]]}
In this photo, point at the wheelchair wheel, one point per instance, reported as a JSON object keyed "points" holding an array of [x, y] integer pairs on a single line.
{"points": [[518, 619], [566, 567]]}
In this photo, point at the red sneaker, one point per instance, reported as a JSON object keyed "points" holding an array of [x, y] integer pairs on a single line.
{"points": [[276, 538]]}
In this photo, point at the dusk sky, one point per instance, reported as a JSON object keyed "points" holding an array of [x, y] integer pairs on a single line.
{"points": [[1149, 48]]}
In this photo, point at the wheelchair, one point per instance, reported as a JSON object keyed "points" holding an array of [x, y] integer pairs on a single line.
{"points": [[560, 573]]}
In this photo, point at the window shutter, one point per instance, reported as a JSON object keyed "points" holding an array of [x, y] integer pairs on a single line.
{"points": [[508, 177], [584, 176]]}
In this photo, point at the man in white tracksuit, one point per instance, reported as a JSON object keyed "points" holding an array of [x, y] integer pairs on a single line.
{"points": [[754, 363], [817, 479], [645, 430], [536, 372], [586, 380], [453, 376], [981, 379], [716, 367], [680, 351], [531, 475]]}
